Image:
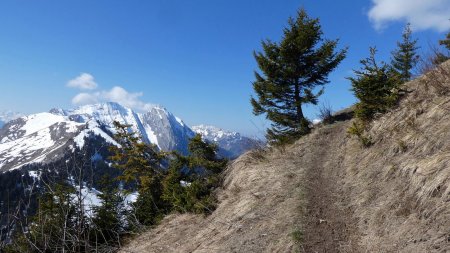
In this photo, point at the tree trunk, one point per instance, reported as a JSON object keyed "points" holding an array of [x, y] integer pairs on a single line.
{"points": [[298, 103]]}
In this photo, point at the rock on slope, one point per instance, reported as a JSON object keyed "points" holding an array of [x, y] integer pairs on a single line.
{"points": [[332, 194]]}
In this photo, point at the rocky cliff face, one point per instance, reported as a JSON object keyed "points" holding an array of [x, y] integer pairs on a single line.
{"points": [[44, 137]]}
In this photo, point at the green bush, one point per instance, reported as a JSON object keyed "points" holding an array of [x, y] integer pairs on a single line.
{"points": [[358, 129], [200, 174], [376, 86]]}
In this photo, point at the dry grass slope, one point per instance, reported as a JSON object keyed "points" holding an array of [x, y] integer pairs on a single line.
{"points": [[400, 187], [258, 212], [326, 193]]}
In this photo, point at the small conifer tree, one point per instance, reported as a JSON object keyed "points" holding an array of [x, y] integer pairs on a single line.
{"points": [[141, 166], [442, 55], [376, 86], [108, 222], [53, 228], [191, 179], [138, 161], [405, 57], [446, 42], [291, 71]]}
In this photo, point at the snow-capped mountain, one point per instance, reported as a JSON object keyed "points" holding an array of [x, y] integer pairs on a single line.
{"points": [[231, 144], [46, 137], [157, 126], [7, 116]]}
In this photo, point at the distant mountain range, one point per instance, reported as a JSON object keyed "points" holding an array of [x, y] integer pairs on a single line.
{"points": [[48, 136], [231, 144], [7, 116]]}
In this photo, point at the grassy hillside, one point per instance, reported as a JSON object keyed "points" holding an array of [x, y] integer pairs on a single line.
{"points": [[327, 193]]}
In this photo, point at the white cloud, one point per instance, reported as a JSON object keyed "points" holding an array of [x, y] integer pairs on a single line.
{"points": [[316, 121], [422, 14], [84, 81], [84, 98], [116, 94]]}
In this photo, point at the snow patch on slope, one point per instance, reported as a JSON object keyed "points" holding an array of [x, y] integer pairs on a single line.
{"points": [[39, 121], [92, 128]]}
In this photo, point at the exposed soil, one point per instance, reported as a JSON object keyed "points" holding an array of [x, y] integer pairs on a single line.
{"points": [[329, 222], [327, 193], [288, 201]]}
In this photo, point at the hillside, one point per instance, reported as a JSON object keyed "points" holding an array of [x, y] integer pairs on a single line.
{"points": [[326, 193]]}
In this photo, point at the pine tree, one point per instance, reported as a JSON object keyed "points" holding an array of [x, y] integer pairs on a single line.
{"points": [[204, 154], [405, 57], [444, 55], [141, 166], [446, 42], [53, 228], [108, 222], [174, 193], [376, 87], [138, 161], [149, 207], [291, 71], [200, 171]]}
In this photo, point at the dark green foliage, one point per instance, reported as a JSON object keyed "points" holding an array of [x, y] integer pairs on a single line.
{"points": [[444, 55], [204, 155], [199, 194], [17, 197], [53, 228], [446, 42], [108, 217], [21, 192], [174, 192], [291, 71], [138, 161], [60, 222], [149, 207], [201, 176], [405, 57], [141, 165], [376, 86]]}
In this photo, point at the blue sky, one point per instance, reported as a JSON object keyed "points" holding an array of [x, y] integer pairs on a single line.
{"points": [[193, 57]]}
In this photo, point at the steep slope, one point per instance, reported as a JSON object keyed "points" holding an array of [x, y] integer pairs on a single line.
{"points": [[157, 125], [327, 193], [45, 137], [35, 138], [258, 211], [400, 187], [262, 204]]}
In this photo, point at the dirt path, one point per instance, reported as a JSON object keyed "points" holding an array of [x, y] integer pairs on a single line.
{"points": [[329, 225], [264, 203], [326, 194]]}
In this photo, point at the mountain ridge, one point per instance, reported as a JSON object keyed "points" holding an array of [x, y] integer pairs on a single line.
{"points": [[231, 144], [43, 137]]}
